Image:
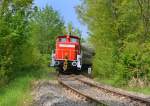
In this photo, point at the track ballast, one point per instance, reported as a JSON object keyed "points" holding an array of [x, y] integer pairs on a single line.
{"points": [[85, 87]]}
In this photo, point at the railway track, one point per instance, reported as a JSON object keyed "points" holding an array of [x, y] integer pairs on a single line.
{"points": [[85, 87]]}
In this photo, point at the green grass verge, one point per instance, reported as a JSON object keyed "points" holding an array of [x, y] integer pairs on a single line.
{"points": [[17, 92], [145, 90]]}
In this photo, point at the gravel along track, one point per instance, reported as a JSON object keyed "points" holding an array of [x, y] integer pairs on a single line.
{"points": [[101, 95], [51, 93], [137, 99]]}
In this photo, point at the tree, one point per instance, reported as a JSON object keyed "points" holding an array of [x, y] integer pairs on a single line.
{"points": [[72, 30], [25, 34], [47, 25], [119, 31], [14, 28]]}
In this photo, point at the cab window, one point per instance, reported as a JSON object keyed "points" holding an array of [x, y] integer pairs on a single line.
{"points": [[74, 40], [62, 39]]}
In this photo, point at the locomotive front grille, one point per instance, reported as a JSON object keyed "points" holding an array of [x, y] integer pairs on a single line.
{"points": [[69, 54]]}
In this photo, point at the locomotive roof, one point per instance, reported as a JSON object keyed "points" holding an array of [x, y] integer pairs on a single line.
{"points": [[61, 36]]}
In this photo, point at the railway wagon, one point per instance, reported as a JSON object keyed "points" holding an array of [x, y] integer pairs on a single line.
{"points": [[67, 54]]}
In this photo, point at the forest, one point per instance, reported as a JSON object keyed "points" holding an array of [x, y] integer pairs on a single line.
{"points": [[120, 32], [118, 29], [27, 33], [27, 37]]}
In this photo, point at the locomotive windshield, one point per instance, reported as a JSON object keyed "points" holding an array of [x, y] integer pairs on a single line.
{"points": [[62, 39], [74, 40]]}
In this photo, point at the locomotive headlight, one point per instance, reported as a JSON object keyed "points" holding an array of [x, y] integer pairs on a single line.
{"points": [[74, 63]]}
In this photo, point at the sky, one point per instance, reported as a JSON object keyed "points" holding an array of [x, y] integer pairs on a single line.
{"points": [[66, 8]]}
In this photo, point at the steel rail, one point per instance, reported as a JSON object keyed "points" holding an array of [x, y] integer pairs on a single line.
{"points": [[132, 97], [79, 92]]}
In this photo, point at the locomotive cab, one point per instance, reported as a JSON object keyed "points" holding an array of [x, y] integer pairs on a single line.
{"points": [[67, 55]]}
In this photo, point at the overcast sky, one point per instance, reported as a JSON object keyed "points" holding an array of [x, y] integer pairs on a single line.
{"points": [[66, 9]]}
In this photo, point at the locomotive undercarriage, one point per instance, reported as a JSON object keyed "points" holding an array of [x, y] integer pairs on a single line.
{"points": [[67, 67]]}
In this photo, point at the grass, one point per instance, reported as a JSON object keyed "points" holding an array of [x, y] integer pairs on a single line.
{"points": [[145, 90], [17, 92]]}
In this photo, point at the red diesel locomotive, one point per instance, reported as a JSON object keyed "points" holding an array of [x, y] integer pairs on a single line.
{"points": [[67, 54]]}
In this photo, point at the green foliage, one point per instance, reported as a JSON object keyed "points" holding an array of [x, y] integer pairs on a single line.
{"points": [[46, 26], [25, 35], [14, 37], [72, 30], [18, 91], [120, 32]]}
